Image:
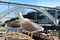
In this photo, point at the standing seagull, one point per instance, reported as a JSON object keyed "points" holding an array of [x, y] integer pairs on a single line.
{"points": [[27, 25]]}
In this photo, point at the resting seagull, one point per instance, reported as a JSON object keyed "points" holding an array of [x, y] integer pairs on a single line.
{"points": [[28, 25]]}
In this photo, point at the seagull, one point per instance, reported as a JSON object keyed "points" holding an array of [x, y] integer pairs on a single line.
{"points": [[26, 24]]}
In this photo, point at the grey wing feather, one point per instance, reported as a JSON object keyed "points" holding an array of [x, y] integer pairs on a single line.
{"points": [[30, 26]]}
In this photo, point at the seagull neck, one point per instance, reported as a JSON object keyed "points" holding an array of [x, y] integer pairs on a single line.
{"points": [[21, 18]]}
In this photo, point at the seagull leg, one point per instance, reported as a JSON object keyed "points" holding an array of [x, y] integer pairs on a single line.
{"points": [[17, 30], [28, 34], [31, 34]]}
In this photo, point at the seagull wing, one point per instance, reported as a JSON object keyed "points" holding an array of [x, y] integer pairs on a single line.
{"points": [[30, 26]]}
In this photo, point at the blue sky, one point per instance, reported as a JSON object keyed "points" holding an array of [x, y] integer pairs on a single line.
{"points": [[47, 3]]}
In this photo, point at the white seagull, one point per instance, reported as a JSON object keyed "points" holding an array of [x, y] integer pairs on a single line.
{"points": [[28, 25]]}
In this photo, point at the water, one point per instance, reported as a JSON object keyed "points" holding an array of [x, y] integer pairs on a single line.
{"points": [[13, 29]]}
